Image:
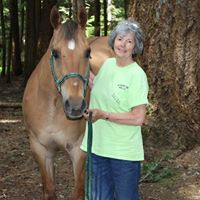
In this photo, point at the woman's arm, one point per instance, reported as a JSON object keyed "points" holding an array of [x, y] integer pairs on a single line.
{"points": [[91, 78], [135, 117]]}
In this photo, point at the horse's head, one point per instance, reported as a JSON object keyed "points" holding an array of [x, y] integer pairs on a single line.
{"points": [[69, 62]]}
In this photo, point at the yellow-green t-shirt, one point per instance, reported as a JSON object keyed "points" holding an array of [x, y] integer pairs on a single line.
{"points": [[117, 89]]}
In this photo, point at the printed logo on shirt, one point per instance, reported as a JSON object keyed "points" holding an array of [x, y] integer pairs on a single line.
{"points": [[122, 86], [116, 99]]}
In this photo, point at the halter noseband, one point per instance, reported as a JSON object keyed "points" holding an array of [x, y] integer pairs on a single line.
{"points": [[59, 82]]}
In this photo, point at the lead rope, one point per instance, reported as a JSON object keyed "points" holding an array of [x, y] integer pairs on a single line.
{"points": [[88, 175]]}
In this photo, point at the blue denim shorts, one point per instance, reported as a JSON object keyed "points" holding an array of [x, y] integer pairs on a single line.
{"points": [[115, 179]]}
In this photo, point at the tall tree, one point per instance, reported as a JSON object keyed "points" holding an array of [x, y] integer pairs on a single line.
{"points": [[38, 32], [13, 4], [70, 9], [22, 17], [3, 40], [97, 15], [105, 21], [45, 29], [126, 3], [172, 60], [9, 57], [75, 8], [30, 37], [80, 4], [77, 5]]}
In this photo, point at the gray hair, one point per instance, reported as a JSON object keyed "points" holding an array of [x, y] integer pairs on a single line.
{"points": [[127, 26]]}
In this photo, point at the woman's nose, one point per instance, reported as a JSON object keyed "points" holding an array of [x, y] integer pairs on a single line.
{"points": [[123, 43]]}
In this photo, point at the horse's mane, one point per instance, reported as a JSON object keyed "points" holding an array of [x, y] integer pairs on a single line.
{"points": [[69, 29]]}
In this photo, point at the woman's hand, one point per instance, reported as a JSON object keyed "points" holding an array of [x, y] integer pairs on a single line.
{"points": [[96, 114]]}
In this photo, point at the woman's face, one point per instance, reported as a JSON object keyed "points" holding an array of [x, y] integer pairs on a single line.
{"points": [[123, 45]]}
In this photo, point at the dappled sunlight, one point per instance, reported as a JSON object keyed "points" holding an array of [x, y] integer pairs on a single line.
{"points": [[10, 121], [191, 191]]}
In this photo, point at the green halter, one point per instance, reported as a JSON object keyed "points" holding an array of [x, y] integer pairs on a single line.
{"points": [[59, 82]]}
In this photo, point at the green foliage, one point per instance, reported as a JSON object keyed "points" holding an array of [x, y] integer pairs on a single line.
{"points": [[118, 3], [155, 171], [90, 27], [117, 14], [65, 12]]}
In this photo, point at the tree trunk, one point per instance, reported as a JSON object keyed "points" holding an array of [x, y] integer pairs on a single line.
{"points": [[75, 9], [80, 4], [30, 38], [171, 60], [15, 36], [97, 14], [45, 30], [77, 5], [3, 40], [70, 9], [22, 13], [105, 17], [126, 3], [8, 63]]}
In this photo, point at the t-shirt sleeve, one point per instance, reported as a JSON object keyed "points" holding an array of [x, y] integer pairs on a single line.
{"points": [[138, 93]]}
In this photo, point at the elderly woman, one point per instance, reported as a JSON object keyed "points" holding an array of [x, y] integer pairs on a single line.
{"points": [[118, 102]]}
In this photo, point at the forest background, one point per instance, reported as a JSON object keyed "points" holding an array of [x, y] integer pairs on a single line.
{"points": [[170, 59], [171, 55]]}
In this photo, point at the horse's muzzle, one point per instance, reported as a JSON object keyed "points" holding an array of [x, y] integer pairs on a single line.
{"points": [[74, 108]]}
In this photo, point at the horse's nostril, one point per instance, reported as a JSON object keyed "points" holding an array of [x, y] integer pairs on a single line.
{"points": [[84, 105], [66, 105], [74, 108]]}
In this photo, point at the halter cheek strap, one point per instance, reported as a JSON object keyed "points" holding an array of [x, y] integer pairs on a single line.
{"points": [[59, 82]]}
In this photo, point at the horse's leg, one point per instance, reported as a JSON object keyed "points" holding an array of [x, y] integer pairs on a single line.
{"points": [[78, 161], [44, 159]]}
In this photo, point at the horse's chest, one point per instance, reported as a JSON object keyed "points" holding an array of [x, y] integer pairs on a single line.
{"points": [[56, 134]]}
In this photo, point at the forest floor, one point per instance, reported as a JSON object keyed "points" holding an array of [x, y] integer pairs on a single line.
{"points": [[174, 178]]}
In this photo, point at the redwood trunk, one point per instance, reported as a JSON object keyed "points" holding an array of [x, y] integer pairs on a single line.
{"points": [[171, 60]]}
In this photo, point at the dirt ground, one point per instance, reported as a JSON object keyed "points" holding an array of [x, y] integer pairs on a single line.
{"points": [[20, 178]]}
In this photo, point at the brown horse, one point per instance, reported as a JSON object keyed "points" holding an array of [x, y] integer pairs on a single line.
{"points": [[54, 100], [100, 51]]}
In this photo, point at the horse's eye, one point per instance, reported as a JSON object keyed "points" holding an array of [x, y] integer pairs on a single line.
{"points": [[55, 53], [87, 53]]}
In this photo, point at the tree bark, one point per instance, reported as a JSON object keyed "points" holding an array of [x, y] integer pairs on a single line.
{"points": [[75, 9], [105, 17], [80, 4], [22, 13], [8, 61], [3, 40], [171, 60], [45, 30], [126, 3], [30, 38], [15, 37], [97, 14], [77, 5]]}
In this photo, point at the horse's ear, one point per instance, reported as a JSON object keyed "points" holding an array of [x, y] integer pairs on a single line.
{"points": [[55, 17], [82, 17]]}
